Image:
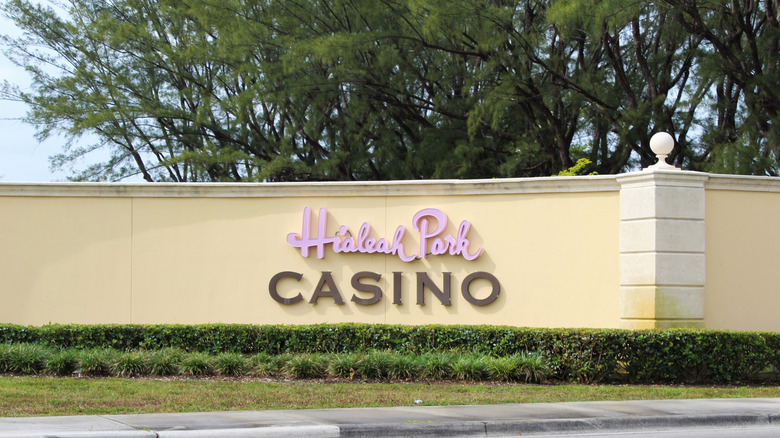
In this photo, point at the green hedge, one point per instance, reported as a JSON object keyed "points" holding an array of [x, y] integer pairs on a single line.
{"points": [[585, 355]]}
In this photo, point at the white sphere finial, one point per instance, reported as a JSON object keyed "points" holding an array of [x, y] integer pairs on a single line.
{"points": [[661, 144]]}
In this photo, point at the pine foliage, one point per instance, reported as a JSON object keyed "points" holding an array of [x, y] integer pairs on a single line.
{"points": [[199, 90]]}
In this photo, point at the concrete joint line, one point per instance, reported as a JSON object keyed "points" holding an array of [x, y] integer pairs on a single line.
{"points": [[657, 285], [632, 318], [662, 252], [661, 218]]}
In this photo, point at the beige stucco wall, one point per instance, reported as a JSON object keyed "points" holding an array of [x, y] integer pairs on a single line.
{"points": [[743, 253], [108, 253], [65, 260]]}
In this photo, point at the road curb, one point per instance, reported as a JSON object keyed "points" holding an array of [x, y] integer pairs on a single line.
{"points": [[624, 423], [513, 427], [416, 429]]}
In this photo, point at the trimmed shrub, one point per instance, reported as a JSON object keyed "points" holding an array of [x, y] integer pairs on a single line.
{"points": [[584, 355], [405, 366], [343, 366], [196, 364], [96, 362], [27, 358], [697, 356], [503, 369], [230, 364], [471, 367], [130, 363], [375, 365], [4, 357], [436, 366], [306, 366], [258, 364], [165, 362], [529, 367], [63, 362], [272, 366]]}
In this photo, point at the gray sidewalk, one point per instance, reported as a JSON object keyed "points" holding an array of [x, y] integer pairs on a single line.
{"points": [[453, 421]]}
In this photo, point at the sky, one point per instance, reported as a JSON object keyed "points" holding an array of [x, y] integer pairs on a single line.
{"points": [[22, 157]]}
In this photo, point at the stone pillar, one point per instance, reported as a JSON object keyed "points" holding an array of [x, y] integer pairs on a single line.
{"points": [[662, 271]]}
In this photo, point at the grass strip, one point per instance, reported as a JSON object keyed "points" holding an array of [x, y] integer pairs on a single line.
{"points": [[46, 396]]}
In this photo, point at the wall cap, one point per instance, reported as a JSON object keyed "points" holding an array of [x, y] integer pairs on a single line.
{"points": [[662, 177], [743, 183], [574, 184]]}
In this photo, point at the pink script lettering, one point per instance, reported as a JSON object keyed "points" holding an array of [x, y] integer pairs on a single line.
{"points": [[433, 241]]}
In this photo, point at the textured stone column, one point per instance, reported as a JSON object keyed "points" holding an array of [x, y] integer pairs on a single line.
{"points": [[662, 269]]}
